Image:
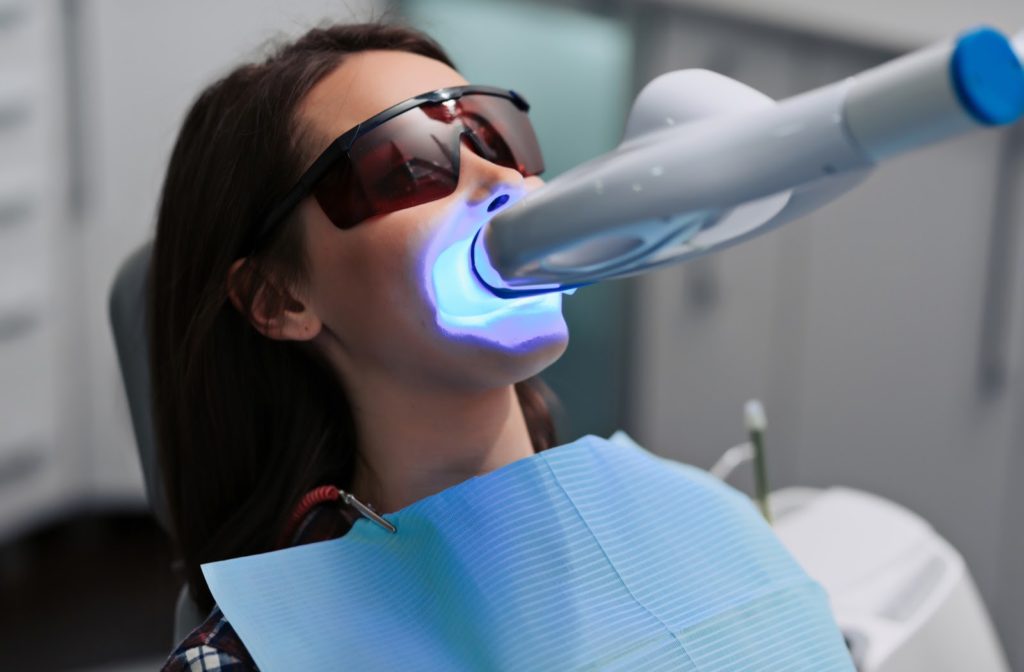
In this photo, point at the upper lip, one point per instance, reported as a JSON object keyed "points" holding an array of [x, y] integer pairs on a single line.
{"points": [[468, 229], [478, 217]]}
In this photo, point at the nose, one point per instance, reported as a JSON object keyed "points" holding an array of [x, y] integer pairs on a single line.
{"points": [[487, 183]]}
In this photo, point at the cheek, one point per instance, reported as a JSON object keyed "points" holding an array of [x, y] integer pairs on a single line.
{"points": [[397, 273], [378, 286], [369, 278]]}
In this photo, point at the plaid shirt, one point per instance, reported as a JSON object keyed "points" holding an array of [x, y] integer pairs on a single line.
{"points": [[214, 646]]}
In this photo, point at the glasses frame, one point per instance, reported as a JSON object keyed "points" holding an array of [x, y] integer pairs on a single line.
{"points": [[339, 148]]}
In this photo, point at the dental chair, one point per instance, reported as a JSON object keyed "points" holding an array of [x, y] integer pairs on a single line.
{"points": [[128, 322]]}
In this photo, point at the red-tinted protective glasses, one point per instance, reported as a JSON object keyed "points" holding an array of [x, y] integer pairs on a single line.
{"points": [[409, 154]]}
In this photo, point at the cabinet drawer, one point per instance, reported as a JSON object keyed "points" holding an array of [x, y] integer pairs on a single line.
{"points": [[26, 264], [27, 369], [21, 461], [21, 226], [20, 116], [19, 23]]}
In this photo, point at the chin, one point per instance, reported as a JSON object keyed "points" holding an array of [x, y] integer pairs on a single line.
{"points": [[545, 353], [521, 328], [510, 349]]}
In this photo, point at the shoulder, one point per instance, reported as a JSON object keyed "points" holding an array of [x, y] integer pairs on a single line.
{"points": [[213, 646]]}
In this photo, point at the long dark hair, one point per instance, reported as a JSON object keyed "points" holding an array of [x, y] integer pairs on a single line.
{"points": [[245, 425]]}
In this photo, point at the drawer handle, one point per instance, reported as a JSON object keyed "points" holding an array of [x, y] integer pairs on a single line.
{"points": [[17, 323], [11, 15], [996, 338], [14, 114], [15, 211], [20, 462]]}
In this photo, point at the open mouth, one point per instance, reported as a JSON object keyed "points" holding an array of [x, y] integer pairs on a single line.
{"points": [[463, 300]]}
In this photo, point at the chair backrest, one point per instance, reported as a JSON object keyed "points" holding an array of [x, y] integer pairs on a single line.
{"points": [[128, 322]]}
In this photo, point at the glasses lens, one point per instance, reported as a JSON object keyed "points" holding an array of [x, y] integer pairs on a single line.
{"points": [[504, 130], [406, 161]]}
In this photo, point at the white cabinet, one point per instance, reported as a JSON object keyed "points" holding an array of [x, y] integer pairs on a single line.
{"points": [[34, 474], [92, 93]]}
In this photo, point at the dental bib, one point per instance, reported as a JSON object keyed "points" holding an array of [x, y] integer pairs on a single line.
{"points": [[594, 555]]}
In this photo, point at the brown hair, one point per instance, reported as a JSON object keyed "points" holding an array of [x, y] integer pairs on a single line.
{"points": [[245, 425]]}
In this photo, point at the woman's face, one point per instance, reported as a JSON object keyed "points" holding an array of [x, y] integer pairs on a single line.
{"points": [[394, 294]]}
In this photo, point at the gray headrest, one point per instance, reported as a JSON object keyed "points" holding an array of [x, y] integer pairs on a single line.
{"points": [[128, 321]]}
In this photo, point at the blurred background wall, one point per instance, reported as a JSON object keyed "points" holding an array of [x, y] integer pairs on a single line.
{"points": [[884, 332]]}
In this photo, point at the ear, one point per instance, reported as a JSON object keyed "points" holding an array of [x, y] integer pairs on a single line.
{"points": [[275, 312]]}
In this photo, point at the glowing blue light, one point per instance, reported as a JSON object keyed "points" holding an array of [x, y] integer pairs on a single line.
{"points": [[462, 301]]}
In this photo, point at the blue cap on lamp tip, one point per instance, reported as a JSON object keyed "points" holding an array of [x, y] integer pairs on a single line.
{"points": [[988, 77]]}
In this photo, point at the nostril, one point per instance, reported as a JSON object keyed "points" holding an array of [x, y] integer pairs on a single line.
{"points": [[497, 203]]}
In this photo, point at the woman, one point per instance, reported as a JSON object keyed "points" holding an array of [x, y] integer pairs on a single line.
{"points": [[315, 355], [312, 328]]}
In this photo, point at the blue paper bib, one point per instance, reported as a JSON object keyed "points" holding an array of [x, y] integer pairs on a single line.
{"points": [[595, 555]]}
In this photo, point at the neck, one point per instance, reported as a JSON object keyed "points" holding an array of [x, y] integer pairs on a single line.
{"points": [[415, 443]]}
